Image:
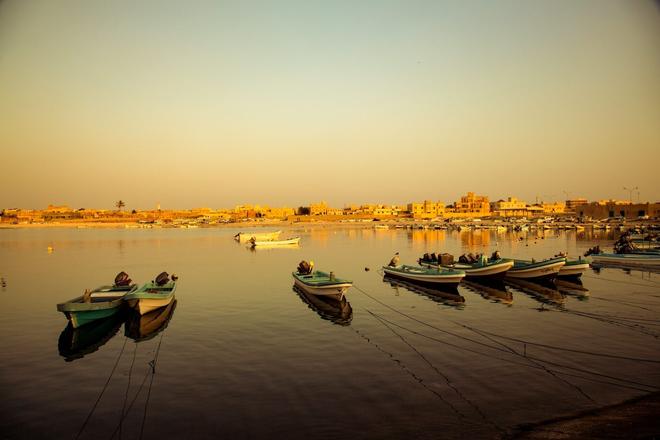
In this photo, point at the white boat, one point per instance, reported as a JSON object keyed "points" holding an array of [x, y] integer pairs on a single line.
{"points": [[637, 259], [536, 270], [574, 268], [273, 243], [151, 296], [427, 276], [244, 237], [485, 269], [322, 284]]}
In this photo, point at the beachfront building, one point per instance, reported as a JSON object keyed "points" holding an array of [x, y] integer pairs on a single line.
{"points": [[469, 206], [511, 207], [629, 211], [553, 208], [320, 208], [426, 210], [573, 204]]}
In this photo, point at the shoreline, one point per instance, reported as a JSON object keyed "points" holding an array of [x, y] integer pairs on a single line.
{"points": [[635, 418]]}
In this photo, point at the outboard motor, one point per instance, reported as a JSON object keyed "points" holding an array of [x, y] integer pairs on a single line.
{"points": [[496, 256], [426, 257], [304, 267], [122, 279], [434, 257], [592, 251], [162, 279], [463, 259]]}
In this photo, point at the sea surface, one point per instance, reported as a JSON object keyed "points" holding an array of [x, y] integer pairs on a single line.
{"points": [[242, 355]]}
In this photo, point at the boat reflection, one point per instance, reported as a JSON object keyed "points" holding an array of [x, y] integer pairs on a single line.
{"points": [[76, 343], [572, 287], [446, 295], [338, 312], [494, 290], [144, 327], [544, 292]]}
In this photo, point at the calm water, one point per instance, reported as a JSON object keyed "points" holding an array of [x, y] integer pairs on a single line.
{"points": [[242, 355]]}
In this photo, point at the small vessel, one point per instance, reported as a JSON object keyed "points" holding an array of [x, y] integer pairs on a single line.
{"points": [[426, 276], [273, 243], [153, 295], [383, 227], [99, 303], [495, 267], [244, 237], [144, 327], [75, 343], [536, 270], [574, 268], [320, 283], [643, 259]]}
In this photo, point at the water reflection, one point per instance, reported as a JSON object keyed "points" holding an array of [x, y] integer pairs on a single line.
{"points": [[144, 327], [573, 287], [494, 290], [545, 293], [338, 312], [446, 295], [76, 343]]}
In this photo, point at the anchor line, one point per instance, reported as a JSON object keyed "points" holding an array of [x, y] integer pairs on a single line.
{"points": [[112, 372], [440, 373], [553, 347], [652, 387], [128, 386], [153, 373]]}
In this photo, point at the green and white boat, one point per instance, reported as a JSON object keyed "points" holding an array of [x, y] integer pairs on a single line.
{"points": [[322, 284], [573, 268], [152, 295], [545, 270], [426, 276], [100, 303]]}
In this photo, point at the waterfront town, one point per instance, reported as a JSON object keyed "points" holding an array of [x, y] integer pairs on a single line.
{"points": [[469, 207]]}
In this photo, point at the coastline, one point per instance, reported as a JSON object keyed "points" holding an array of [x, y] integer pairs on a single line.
{"points": [[636, 418]]}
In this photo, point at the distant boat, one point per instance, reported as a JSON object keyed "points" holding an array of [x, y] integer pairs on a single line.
{"points": [[381, 227], [635, 259], [536, 270], [322, 284], [272, 243], [100, 303], [244, 237], [153, 295], [426, 276], [574, 268]]}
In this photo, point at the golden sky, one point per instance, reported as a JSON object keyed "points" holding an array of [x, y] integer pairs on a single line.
{"points": [[209, 103]]}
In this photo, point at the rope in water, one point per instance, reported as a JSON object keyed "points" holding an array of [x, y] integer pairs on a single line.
{"points": [[112, 372]]}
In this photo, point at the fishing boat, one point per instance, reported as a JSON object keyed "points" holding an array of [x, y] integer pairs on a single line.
{"points": [[99, 303], [643, 259], [75, 343], [426, 275], [153, 295], [536, 270], [573, 268], [273, 243], [321, 283], [244, 237], [483, 268]]}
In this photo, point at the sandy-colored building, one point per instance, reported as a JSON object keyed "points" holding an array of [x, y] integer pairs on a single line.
{"points": [[426, 210], [573, 204], [469, 206], [628, 211]]}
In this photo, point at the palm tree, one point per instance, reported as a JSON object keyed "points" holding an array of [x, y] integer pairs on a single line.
{"points": [[120, 204]]}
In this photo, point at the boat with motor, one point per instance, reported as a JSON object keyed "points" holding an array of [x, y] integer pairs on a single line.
{"points": [[273, 243], [244, 237], [99, 303], [427, 276], [546, 270], [475, 267], [320, 283], [153, 295], [625, 254]]}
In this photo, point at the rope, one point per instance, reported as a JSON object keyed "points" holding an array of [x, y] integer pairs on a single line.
{"points": [[130, 371], [112, 372], [153, 373]]}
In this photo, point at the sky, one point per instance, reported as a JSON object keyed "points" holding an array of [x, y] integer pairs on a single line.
{"points": [[283, 103]]}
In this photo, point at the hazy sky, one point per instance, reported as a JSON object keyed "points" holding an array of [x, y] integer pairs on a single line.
{"points": [[210, 103]]}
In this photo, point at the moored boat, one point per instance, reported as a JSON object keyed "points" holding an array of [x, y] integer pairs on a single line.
{"points": [[426, 276], [536, 270], [75, 343], [153, 295], [244, 237], [481, 269], [573, 268], [99, 303], [272, 243], [643, 259], [320, 283], [142, 327]]}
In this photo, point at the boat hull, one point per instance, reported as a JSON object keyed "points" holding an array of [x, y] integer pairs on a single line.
{"points": [[541, 271], [146, 305], [495, 270], [644, 260], [244, 237], [334, 291], [438, 279], [573, 270], [79, 312], [78, 319], [275, 243]]}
